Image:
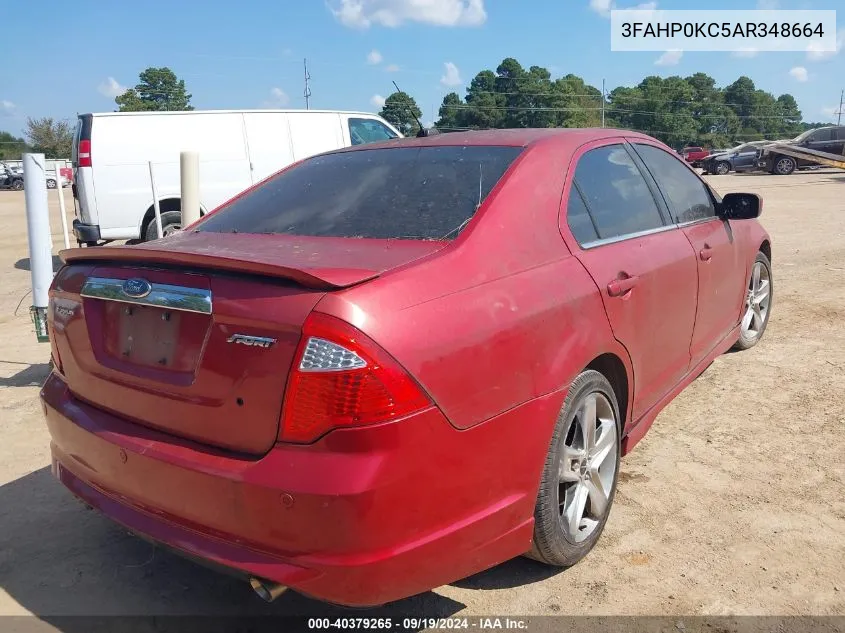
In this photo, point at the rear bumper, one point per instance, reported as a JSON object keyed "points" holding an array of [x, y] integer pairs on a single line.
{"points": [[360, 518], [86, 232]]}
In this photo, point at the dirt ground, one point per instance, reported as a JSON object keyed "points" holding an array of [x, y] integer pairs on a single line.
{"points": [[734, 503]]}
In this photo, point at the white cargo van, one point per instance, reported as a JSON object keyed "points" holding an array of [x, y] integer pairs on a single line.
{"points": [[236, 149]]}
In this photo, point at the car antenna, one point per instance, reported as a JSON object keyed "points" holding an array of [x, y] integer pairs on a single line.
{"points": [[423, 132]]}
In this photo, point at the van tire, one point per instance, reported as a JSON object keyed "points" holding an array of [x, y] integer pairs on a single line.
{"points": [[171, 221]]}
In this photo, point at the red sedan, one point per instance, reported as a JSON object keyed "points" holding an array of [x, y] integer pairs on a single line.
{"points": [[389, 367]]}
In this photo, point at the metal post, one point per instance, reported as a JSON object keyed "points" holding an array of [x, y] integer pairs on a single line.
{"points": [[40, 240], [62, 211], [602, 102], [155, 202], [307, 92], [841, 97], [189, 170]]}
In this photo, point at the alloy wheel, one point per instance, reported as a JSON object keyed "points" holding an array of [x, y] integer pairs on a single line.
{"points": [[757, 301], [587, 467], [784, 166]]}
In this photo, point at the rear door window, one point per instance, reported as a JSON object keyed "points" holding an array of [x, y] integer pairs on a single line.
{"points": [[685, 194], [422, 193], [616, 193]]}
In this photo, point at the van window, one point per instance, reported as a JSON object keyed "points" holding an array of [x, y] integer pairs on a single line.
{"points": [[423, 193], [369, 131]]}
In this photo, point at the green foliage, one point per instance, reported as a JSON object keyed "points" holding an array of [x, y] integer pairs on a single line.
{"points": [[158, 89], [52, 138], [679, 111], [397, 110], [11, 147]]}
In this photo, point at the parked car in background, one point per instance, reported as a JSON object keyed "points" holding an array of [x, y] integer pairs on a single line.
{"points": [[740, 158], [830, 140], [53, 180], [694, 155], [237, 149], [10, 179], [329, 383]]}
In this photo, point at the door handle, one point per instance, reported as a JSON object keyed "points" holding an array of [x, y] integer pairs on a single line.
{"points": [[619, 287], [706, 253]]}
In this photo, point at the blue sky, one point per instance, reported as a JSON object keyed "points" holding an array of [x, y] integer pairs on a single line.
{"points": [[61, 58]]}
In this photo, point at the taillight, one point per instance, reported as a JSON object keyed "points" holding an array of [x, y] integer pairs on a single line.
{"points": [[83, 154], [342, 378]]}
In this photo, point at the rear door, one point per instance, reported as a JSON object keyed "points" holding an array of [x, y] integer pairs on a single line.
{"points": [[268, 139], [746, 158], [642, 264], [721, 270]]}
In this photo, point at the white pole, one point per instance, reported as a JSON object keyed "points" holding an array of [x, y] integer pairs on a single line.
{"points": [[62, 211], [40, 240], [155, 202], [189, 165]]}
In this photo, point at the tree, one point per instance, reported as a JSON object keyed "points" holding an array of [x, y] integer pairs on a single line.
{"points": [[398, 109], [52, 138], [11, 147], [158, 90]]}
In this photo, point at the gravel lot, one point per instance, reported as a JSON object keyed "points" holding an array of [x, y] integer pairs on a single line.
{"points": [[733, 504]]}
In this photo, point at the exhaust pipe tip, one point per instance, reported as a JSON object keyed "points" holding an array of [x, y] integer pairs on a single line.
{"points": [[266, 589]]}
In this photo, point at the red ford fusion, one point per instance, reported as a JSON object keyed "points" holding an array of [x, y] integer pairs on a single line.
{"points": [[389, 367]]}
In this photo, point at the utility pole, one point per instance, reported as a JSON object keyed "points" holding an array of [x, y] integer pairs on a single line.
{"points": [[602, 103], [307, 92], [841, 98]]}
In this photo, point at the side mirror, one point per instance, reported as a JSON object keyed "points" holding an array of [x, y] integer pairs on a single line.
{"points": [[740, 206]]}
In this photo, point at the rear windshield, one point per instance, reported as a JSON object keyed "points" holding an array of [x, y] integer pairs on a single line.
{"points": [[422, 193]]}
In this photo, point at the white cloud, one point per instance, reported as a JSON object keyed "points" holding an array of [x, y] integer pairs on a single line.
{"points": [[392, 13], [452, 76], [374, 57], [816, 54], [7, 108], [604, 7], [669, 58], [392, 68], [746, 53], [799, 73], [111, 88], [768, 5], [377, 101], [278, 98]]}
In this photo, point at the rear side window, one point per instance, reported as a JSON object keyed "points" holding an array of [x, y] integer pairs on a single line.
{"points": [[685, 194], [821, 135], [839, 133], [422, 193], [579, 220], [363, 131], [616, 193]]}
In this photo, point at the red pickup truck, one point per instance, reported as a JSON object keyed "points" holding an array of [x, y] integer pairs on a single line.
{"points": [[694, 155]]}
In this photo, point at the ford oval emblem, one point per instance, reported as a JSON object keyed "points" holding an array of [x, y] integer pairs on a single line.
{"points": [[137, 288]]}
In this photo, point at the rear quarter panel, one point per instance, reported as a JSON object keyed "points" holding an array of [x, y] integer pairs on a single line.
{"points": [[502, 316]]}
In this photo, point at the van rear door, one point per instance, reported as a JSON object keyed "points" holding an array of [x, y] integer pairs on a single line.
{"points": [[83, 171]]}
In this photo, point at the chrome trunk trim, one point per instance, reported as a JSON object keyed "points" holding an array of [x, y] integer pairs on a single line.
{"points": [[180, 298]]}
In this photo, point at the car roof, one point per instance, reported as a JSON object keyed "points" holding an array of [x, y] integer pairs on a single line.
{"points": [[514, 137], [247, 111]]}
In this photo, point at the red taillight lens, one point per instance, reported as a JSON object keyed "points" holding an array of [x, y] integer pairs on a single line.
{"points": [[341, 378], [83, 154]]}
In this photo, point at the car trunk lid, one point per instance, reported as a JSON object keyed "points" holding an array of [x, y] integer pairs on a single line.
{"points": [[194, 335]]}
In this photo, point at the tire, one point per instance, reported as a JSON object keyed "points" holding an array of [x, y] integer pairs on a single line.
{"points": [[783, 166], [51, 184], [759, 293], [17, 185], [722, 168], [557, 541], [171, 221]]}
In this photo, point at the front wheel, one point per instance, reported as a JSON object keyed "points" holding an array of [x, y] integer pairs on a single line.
{"points": [[51, 184], [758, 304], [784, 166], [722, 168], [579, 477], [17, 185]]}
